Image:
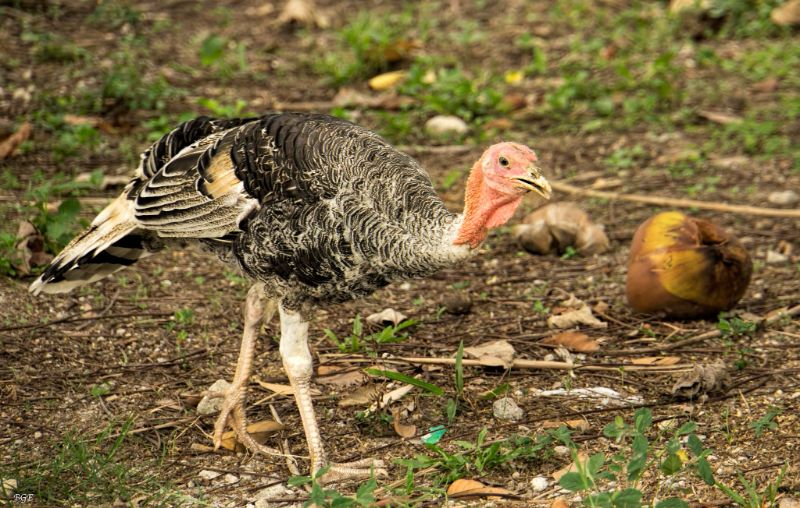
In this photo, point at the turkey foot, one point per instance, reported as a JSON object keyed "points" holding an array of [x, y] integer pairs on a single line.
{"points": [[233, 413], [357, 470], [256, 311]]}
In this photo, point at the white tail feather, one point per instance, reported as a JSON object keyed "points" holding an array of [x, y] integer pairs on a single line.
{"points": [[65, 273]]}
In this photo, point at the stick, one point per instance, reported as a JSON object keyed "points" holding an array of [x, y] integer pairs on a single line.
{"points": [[520, 363], [679, 203]]}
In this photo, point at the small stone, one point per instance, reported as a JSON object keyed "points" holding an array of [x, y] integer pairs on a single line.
{"points": [[37, 435], [230, 479], [445, 126], [507, 409], [561, 450], [266, 497], [783, 198], [208, 475], [457, 303], [210, 406], [539, 483], [776, 258]]}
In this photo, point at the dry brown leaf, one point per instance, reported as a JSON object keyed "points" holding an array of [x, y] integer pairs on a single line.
{"points": [[656, 360], [469, 488], [387, 80], [560, 503], [386, 317], [786, 14], [574, 312], [274, 387], [360, 396], [768, 85], [581, 425], [497, 353], [573, 341], [676, 6], [720, 117], [556, 226], [9, 145], [303, 12], [340, 376], [702, 380], [30, 249], [402, 430], [258, 430], [569, 468]]}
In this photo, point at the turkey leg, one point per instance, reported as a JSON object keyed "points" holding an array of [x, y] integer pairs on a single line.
{"points": [[298, 365], [257, 310]]}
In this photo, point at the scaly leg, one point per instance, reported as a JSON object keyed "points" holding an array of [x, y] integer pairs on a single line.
{"points": [[298, 365], [257, 311]]}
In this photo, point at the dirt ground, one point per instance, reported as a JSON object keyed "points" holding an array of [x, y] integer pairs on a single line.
{"points": [[131, 355]]}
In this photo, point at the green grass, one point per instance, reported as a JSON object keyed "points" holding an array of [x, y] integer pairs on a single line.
{"points": [[91, 470]]}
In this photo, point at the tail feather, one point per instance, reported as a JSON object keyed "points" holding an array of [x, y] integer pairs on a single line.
{"points": [[111, 243]]}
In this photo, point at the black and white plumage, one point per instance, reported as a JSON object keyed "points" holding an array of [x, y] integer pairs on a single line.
{"points": [[317, 208], [313, 209]]}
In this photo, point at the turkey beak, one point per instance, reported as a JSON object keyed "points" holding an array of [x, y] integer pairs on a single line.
{"points": [[535, 182]]}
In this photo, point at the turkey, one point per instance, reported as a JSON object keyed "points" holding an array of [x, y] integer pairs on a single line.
{"points": [[313, 210]]}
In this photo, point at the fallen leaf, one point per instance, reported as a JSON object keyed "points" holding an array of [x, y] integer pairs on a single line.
{"points": [[9, 145], [274, 387], [30, 249], [106, 181], [560, 503], [387, 80], [573, 341], [303, 12], [656, 360], [574, 312], [350, 98], [258, 430], [340, 376], [768, 85], [581, 425], [386, 316], [569, 468], [731, 162], [471, 488], [402, 430], [500, 124], [702, 380], [557, 226], [497, 353], [720, 117], [786, 14], [514, 77], [360, 396], [676, 6]]}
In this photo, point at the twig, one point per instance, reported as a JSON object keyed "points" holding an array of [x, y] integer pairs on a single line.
{"points": [[678, 203], [518, 363], [74, 318], [772, 317]]}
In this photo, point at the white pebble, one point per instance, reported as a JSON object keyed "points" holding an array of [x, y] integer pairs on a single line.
{"points": [[207, 474], [507, 409], [446, 125], [539, 483], [787, 197], [210, 406]]}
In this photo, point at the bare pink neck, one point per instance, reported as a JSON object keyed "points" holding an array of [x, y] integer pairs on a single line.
{"points": [[484, 207]]}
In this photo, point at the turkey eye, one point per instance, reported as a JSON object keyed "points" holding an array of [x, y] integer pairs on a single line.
{"points": [[503, 161]]}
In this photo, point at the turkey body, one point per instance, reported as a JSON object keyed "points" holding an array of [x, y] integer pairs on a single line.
{"points": [[318, 209], [315, 210]]}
